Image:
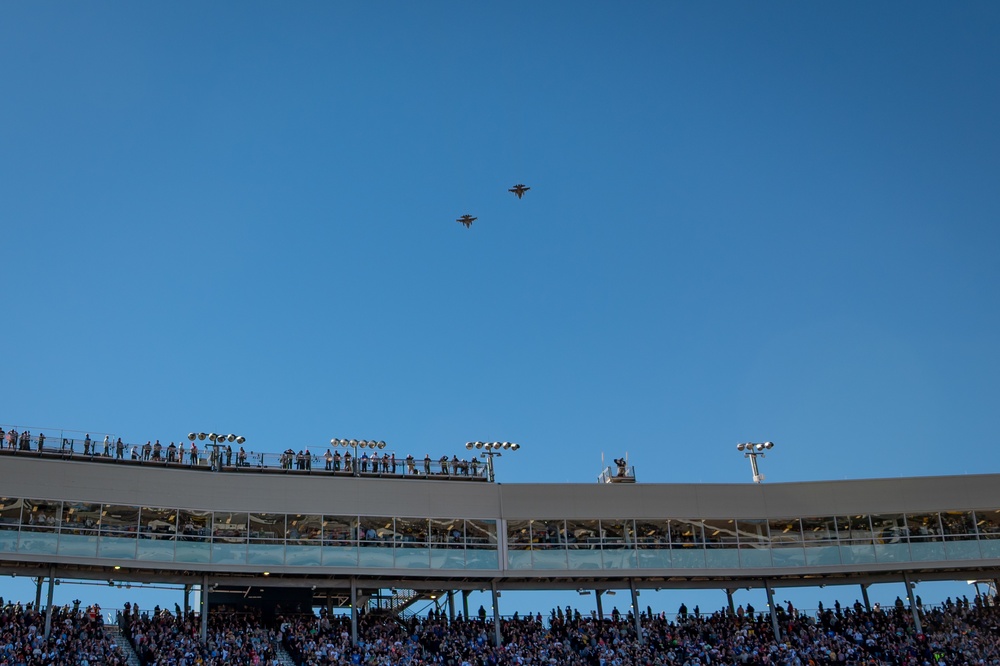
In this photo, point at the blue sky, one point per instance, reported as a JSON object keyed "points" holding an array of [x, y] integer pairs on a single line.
{"points": [[747, 222]]}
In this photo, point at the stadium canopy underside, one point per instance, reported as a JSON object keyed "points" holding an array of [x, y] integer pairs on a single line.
{"points": [[96, 520]]}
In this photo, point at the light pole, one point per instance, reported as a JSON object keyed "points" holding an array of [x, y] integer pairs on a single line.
{"points": [[491, 449], [751, 450], [355, 445], [217, 442]]}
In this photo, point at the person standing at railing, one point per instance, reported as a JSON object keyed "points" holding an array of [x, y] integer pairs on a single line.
{"points": [[41, 441], [172, 453], [86, 445], [107, 446], [119, 449], [241, 458], [328, 457], [11, 438], [336, 461], [194, 453], [411, 464]]}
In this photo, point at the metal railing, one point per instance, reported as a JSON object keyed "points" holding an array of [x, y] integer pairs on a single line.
{"points": [[76, 445]]}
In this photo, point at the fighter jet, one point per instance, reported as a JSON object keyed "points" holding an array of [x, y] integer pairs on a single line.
{"points": [[519, 189], [467, 220]]}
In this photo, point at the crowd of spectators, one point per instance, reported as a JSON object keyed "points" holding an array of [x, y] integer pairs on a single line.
{"points": [[958, 633], [225, 457], [162, 638], [76, 637]]}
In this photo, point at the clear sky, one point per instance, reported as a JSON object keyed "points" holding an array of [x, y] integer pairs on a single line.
{"points": [[746, 221]]}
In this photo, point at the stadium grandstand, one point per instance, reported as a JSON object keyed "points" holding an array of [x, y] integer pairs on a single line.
{"points": [[297, 563]]}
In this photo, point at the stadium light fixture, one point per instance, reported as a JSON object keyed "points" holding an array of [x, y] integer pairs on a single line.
{"points": [[491, 449], [217, 442], [355, 445], [751, 450]]}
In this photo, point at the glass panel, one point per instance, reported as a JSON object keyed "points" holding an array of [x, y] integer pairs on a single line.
{"points": [[481, 534], [374, 532], [585, 557], [78, 544], [37, 541], [819, 530], [40, 515], [684, 533], [617, 534], [619, 558], [583, 534], [653, 558], [927, 550], [156, 523], [990, 548], [10, 513], [411, 532], [653, 533], [303, 556], [720, 533], [482, 559], [375, 556], [448, 533], [785, 532], [753, 533], [81, 518], [859, 553], [547, 534], [958, 525], [518, 559], [892, 552], [304, 529], [413, 557], [987, 522], [229, 527], [962, 550], [549, 558], [688, 558], [266, 527], [119, 547], [442, 558], [923, 526], [722, 558], [753, 556], [819, 555], [193, 526], [157, 550], [788, 556], [229, 550], [889, 528], [518, 535], [855, 529], [340, 531], [119, 521], [263, 552], [340, 556], [193, 551]]}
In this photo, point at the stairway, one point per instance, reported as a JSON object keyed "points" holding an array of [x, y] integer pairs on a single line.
{"points": [[114, 632], [283, 657]]}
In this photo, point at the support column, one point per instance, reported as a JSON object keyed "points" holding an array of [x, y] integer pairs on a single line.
{"points": [[187, 599], [354, 609], [465, 604], [864, 595], [913, 604], [600, 605], [770, 607], [38, 593], [204, 607], [48, 608], [635, 612], [451, 605], [329, 604], [729, 598], [498, 640]]}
